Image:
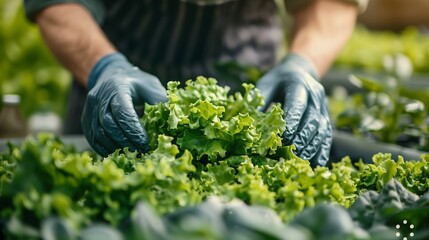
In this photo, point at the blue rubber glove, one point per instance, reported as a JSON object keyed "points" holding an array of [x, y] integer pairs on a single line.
{"points": [[109, 120], [294, 84]]}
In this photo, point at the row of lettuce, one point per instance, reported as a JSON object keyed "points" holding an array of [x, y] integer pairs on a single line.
{"points": [[48, 191], [217, 170], [389, 108]]}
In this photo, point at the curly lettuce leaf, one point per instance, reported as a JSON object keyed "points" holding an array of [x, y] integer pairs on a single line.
{"points": [[212, 124]]}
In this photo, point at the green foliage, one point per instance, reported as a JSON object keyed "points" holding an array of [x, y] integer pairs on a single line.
{"points": [[49, 188], [27, 67], [366, 49], [413, 175], [205, 120], [386, 109], [393, 206]]}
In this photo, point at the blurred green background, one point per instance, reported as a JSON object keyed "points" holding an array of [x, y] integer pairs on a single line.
{"points": [[27, 67], [366, 49]]}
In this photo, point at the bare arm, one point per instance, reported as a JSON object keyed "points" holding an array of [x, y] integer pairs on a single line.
{"points": [[74, 37], [320, 31]]}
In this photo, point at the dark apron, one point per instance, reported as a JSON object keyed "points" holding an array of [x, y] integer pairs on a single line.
{"points": [[180, 40]]}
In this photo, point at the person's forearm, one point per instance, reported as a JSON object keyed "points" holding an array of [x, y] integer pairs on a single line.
{"points": [[74, 37], [321, 30]]}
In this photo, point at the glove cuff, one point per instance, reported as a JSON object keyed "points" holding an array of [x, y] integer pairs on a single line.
{"points": [[295, 60], [102, 64]]}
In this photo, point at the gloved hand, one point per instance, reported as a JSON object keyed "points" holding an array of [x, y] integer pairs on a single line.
{"points": [[294, 84], [109, 120]]}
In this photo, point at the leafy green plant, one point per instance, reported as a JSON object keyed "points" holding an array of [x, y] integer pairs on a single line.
{"points": [[203, 118], [49, 188], [386, 109], [393, 206]]}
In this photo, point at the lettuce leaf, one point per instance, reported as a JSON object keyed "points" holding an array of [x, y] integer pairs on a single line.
{"points": [[203, 118]]}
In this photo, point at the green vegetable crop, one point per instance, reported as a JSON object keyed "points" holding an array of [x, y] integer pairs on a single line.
{"points": [[205, 144], [205, 120]]}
